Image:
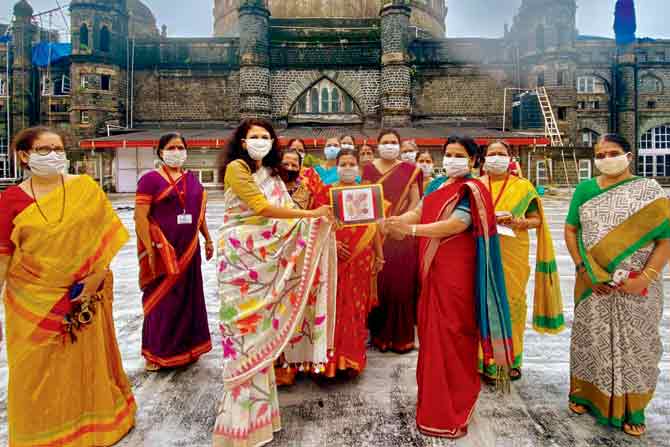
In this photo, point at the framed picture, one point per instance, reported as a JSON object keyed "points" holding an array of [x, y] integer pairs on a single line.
{"points": [[358, 205]]}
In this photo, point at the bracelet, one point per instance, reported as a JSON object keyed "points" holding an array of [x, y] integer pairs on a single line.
{"points": [[656, 272], [580, 266], [413, 230], [646, 275]]}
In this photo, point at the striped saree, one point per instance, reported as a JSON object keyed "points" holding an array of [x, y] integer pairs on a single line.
{"points": [[67, 386], [516, 195], [616, 345]]}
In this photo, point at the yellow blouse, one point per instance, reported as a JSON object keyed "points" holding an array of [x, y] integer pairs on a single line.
{"points": [[238, 177]]}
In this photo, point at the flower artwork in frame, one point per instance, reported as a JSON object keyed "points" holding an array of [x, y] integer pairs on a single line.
{"points": [[358, 205]]}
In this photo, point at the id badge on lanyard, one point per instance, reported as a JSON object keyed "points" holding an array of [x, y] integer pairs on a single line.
{"points": [[184, 219]]}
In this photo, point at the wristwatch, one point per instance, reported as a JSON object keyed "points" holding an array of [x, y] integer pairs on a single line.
{"points": [[579, 267]]}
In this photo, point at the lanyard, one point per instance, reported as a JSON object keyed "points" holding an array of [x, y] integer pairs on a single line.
{"points": [[181, 195], [502, 191]]}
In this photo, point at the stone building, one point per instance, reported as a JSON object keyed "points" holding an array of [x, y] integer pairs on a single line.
{"points": [[329, 67]]}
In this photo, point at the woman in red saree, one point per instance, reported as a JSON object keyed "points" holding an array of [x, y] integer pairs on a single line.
{"points": [[359, 257], [392, 326], [463, 300]]}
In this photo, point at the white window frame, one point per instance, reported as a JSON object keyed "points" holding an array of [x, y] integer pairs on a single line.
{"points": [[590, 84], [584, 169], [589, 137], [543, 165], [3, 88], [84, 117], [48, 87]]}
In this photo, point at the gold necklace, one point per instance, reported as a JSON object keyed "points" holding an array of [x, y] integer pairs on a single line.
{"points": [[39, 208]]}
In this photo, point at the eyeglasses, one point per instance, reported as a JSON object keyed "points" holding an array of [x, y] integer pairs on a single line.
{"points": [[46, 150]]}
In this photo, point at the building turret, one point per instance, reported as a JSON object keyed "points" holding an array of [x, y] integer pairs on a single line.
{"points": [[396, 82], [255, 95], [98, 74], [23, 101]]}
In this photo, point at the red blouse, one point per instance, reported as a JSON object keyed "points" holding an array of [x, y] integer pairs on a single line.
{"points": [[12, 202]]}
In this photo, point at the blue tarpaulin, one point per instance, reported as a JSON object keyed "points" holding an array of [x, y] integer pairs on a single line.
{"points": [[5, 39], [58, 51]]}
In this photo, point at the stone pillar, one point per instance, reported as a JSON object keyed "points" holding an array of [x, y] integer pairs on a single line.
{"points": [[626, 85], [255, 96], [396, 82], [24, 33]]}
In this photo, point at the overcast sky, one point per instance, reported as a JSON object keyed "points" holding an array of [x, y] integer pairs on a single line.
{"points": [[467, 18]]}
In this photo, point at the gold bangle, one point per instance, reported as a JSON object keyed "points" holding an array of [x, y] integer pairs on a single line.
{"points": [[646, 275], [653, 270]]}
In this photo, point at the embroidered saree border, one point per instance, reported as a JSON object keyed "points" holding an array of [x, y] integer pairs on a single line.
{"points": [[180, 359]]}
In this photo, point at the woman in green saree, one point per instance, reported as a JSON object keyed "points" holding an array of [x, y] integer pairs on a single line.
{"points": [[617, 233]]}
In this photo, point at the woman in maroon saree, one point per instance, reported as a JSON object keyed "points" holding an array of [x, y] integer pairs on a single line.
{"points": [[170, 214], [392, 323], [463, 300]]}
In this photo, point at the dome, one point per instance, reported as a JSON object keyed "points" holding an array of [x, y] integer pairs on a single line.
{"points": [[429, 15], [142, 22], [23, 9]]}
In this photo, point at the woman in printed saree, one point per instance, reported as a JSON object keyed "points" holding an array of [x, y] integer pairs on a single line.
{"points": [[58, 236], [276, 273], [463, 301], [519, 208], [617, 233], [169, 216], [392, 323]]}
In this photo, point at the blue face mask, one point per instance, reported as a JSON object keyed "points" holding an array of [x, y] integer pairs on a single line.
{"points": [[331, 152]]}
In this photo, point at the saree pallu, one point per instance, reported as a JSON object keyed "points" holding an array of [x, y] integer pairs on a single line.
{"points": [[462, 303], [175, 330], [392, 323], [63, 392], [616, 346], [277, 280], [548, 318]]}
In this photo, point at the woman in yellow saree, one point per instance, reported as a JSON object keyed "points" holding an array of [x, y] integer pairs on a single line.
{"points": [[58, 236], [519, 209], [617, 234]]}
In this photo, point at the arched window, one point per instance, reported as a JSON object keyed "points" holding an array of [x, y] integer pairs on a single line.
{"points": [[651, 85], [654, 153], [83, 36], [314, 100], [104, 39], [335, 101], [325, 100]]}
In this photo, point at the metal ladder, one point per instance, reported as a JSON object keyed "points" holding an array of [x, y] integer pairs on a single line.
{"points": [[551, 129]]}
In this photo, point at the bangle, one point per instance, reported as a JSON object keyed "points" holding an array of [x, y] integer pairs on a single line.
{"points": [[413, 230], [656, 272], [646, 275], [580, 266]]}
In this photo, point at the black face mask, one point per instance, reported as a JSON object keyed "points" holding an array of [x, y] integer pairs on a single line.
{"points": [[289, 176]]}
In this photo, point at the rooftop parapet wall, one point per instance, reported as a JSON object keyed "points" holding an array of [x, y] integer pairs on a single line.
{"points": [[468, 51], [187, 53]]}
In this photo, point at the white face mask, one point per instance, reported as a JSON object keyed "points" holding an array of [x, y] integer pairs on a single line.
{"points": [[348, 146], [389, 151], [48, 165], [426, 168], [497, 164], [347, 174], [613, 166], [331, 152], [456, 167], [409, 157], [258, 148], [175, 158]]}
